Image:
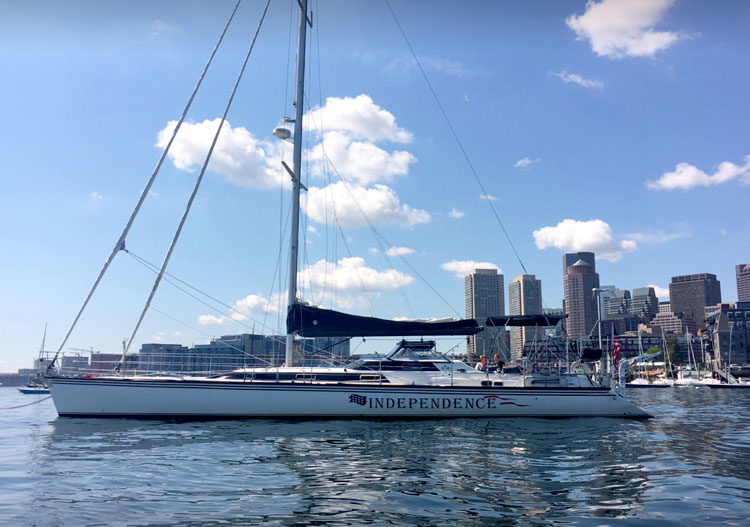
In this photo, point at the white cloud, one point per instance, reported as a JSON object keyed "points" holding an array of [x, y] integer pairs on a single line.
{"points": [[593, 236], [465, 267], [661, 292], [238, 155], [488, 197], [523, 163], [686, 176], [575, 78], [312, 230], [351, 274], [211, 320], [380, 204], [164, 336], [399, 251], [361, 162], [159, 28], [619, 28], [96, 196], [248, 307], [359, 116], [405, 64], [657, 236], [456, 214]]}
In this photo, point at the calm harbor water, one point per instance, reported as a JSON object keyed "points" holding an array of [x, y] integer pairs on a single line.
{"points": [[690, 465]]}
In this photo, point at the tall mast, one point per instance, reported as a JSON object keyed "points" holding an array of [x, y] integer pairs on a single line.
{"points": [[298, 111]]}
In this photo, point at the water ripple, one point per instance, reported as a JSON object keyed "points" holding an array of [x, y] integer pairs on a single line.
{"points": [[689, 465]]}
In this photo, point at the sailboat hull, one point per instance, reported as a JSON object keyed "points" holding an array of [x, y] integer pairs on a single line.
{"points": [[191, 398]]}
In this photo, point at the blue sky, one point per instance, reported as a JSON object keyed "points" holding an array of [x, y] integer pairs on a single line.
{"points": [[618, 127]]}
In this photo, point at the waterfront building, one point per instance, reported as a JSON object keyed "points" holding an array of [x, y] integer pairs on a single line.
{"points": [[605, 293], [743, 282], [580, 302], [484, 296], [645, 303], [729, 333], [524, 298], [668, 321], [665, 307], [619, 303], [690, 294], [104, 363]]}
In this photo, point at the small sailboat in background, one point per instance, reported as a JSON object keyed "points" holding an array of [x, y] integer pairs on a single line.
{"points": [[36, 383]]}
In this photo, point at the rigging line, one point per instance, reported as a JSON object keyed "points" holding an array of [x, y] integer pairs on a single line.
{"points": [[414, 270], [196, 187], [121, 240], [366, 218], [155, 269], [359, 278], [170, 279], [210, 336], [458, 141]]}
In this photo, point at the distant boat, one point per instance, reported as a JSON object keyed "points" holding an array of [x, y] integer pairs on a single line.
{"points": [[34, 389], [36, 385]]}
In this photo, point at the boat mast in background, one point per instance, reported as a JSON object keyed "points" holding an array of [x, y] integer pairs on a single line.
{"points": [[297, 170]]}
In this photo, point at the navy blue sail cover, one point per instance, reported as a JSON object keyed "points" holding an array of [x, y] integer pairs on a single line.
{"points": [[525, 320], [309, 321]]}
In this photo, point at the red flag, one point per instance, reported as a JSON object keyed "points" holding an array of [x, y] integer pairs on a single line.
{"points": [[616, 350]]}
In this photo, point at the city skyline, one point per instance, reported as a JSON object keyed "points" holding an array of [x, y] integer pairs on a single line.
{"points": [[583, 140]]}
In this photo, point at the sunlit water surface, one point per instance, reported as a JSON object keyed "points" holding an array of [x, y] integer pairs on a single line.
{"points": [[690, 465]]}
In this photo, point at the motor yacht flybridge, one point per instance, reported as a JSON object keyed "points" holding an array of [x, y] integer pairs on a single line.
{"points": [[413, 381]]}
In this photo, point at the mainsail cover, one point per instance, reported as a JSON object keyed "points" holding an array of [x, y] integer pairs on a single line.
{"points": [[310, 321], [525, 320]]}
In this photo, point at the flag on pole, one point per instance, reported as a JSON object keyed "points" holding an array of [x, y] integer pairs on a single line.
{"points": [[616, 350]]}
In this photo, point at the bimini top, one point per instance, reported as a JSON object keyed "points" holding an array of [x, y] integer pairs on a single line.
{"points": [[525, 320], [310, 321]]}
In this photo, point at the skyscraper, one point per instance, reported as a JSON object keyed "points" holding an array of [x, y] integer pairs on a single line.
{"points": [[645, 303], [484, 295], [524, 298], [690, 294], [743, 282], [580, 302]]}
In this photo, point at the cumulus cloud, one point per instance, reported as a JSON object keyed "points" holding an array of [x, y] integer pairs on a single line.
{"points": [[620, 28], [488, 197], [456, 214], [523, 163], [658, 236], [360, 117], [380, 204], [96, 196], [399, 251], [159, 28], [362, 162], [575, 78], [405, 64], [686, 176], [351, 274], [211, 320], [248, 307], [593, 236], [465, 267], [661, 292], [164, 336], [238, 155]]}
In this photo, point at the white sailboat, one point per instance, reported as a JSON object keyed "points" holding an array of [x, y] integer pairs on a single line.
{"points": [[413, 381]]}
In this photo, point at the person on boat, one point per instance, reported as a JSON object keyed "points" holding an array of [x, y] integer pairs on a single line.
{"points": [[499, 364], [482, 364]]}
